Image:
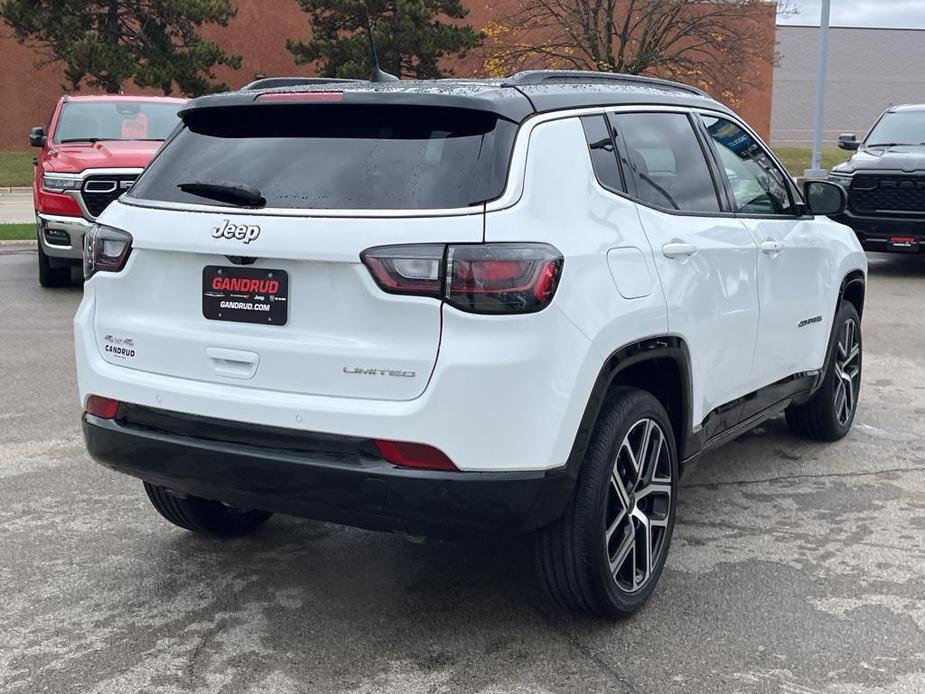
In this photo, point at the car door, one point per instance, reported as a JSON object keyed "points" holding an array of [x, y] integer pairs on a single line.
{"points": [[704, 256], [793, 262]]}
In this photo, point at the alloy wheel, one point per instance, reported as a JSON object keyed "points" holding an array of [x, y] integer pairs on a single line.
{"points": [[847, 371], [637, 511]]}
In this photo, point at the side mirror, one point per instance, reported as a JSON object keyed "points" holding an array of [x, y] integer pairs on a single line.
{"points": [[37, 137], [848, 141], [825, 198]]}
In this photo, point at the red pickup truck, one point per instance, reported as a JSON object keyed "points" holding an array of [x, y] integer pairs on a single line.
{"points": [[92, 151]]}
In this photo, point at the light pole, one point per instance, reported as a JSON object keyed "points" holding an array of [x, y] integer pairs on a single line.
{"points": [[815, 170]]}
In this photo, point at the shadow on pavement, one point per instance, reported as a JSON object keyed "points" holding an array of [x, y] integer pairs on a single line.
{"points": [[899, 265]]}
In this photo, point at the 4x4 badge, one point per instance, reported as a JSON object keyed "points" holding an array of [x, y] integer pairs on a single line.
{"points": [[241, 232]]}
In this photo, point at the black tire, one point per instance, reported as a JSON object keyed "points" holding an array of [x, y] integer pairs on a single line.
{"points": [[573, 556], [204, 516], [829, 414], [49, 276]]}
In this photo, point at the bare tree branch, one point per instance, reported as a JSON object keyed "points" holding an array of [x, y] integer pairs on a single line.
{"points": [[720, 45]]}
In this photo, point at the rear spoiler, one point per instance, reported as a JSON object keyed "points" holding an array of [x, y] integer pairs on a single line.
{"points": [[508, 104]]}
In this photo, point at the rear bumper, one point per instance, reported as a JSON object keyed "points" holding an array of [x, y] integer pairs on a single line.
{"points": [[62, 237], [504, 396], [878, 233], [324, 477]]}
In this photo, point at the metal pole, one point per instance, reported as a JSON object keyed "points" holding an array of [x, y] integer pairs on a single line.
{"points": [[816, 170]]}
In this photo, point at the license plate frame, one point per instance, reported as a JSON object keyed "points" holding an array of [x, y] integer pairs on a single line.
{"points": [[245, 295], [904, 243]]}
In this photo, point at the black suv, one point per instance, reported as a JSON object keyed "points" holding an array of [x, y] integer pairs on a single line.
{"points": [[885, 180]]}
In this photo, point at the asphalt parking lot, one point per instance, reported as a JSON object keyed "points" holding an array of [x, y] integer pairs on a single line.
{"points": [[16, 206], [796, 567]]}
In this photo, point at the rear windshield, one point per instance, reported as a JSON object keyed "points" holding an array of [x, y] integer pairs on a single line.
{"points": [[337, 156], [88, 121]]}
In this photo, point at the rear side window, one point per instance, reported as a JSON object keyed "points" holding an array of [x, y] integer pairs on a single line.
{"points": [[337, 156], [603, 155], [667, 161]]}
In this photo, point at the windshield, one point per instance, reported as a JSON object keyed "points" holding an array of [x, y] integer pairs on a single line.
{"points": [[116, 120], [899, 128], [349, 157]]}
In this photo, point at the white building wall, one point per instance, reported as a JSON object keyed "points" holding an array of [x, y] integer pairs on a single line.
{"points": [[869, 71]]}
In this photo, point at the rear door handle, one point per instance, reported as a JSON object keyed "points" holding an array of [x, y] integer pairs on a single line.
{"points": [[771, 247], [679, 249]]}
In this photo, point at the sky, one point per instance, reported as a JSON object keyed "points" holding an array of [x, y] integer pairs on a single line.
{"points": [[902, 14]]}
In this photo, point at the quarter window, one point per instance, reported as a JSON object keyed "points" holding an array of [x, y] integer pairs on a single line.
{"points": [[603, 156], [758, 186], [667, 161]]}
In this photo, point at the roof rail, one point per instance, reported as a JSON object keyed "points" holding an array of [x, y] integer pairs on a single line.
{"points": [[275, 82], [540, 77]]}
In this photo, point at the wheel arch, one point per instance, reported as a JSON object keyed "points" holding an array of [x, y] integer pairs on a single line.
{"points": [[853, 289], [659, 365]]}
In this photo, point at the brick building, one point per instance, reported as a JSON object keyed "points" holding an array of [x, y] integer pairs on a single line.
{"points": [[258, 33]]}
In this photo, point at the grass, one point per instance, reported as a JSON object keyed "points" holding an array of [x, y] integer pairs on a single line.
{"points": [[16, 168], [17, 232], [798, 159]]}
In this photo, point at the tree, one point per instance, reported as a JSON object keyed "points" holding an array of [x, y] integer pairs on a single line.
{"points": [[410, 39], [712, 43], [108, 43]]}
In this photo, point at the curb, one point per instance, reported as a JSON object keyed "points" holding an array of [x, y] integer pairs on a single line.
{"points": [[14, 189], [19, 243]]}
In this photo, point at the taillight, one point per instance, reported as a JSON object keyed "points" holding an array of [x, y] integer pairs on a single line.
{"points": [[105, 250], [414, 270], [477, 278], [502, 277], [414, 455], [104, 408]]}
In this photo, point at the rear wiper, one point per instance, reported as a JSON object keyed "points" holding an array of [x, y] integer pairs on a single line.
{"points": [[232, 193]]}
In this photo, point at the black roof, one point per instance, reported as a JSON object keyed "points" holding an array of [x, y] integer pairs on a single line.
{"points": [[514, 98]]}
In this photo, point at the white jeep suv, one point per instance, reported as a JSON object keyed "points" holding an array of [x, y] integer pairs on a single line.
{"points": [[464, 307]]}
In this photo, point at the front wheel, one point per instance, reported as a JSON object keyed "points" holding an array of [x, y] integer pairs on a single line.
{"points": [[202, 515], [829, 414], [51, 276], [604, 556]]}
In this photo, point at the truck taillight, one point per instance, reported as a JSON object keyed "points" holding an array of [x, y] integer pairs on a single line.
{"points": [[105, 250], [493, 278]]}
